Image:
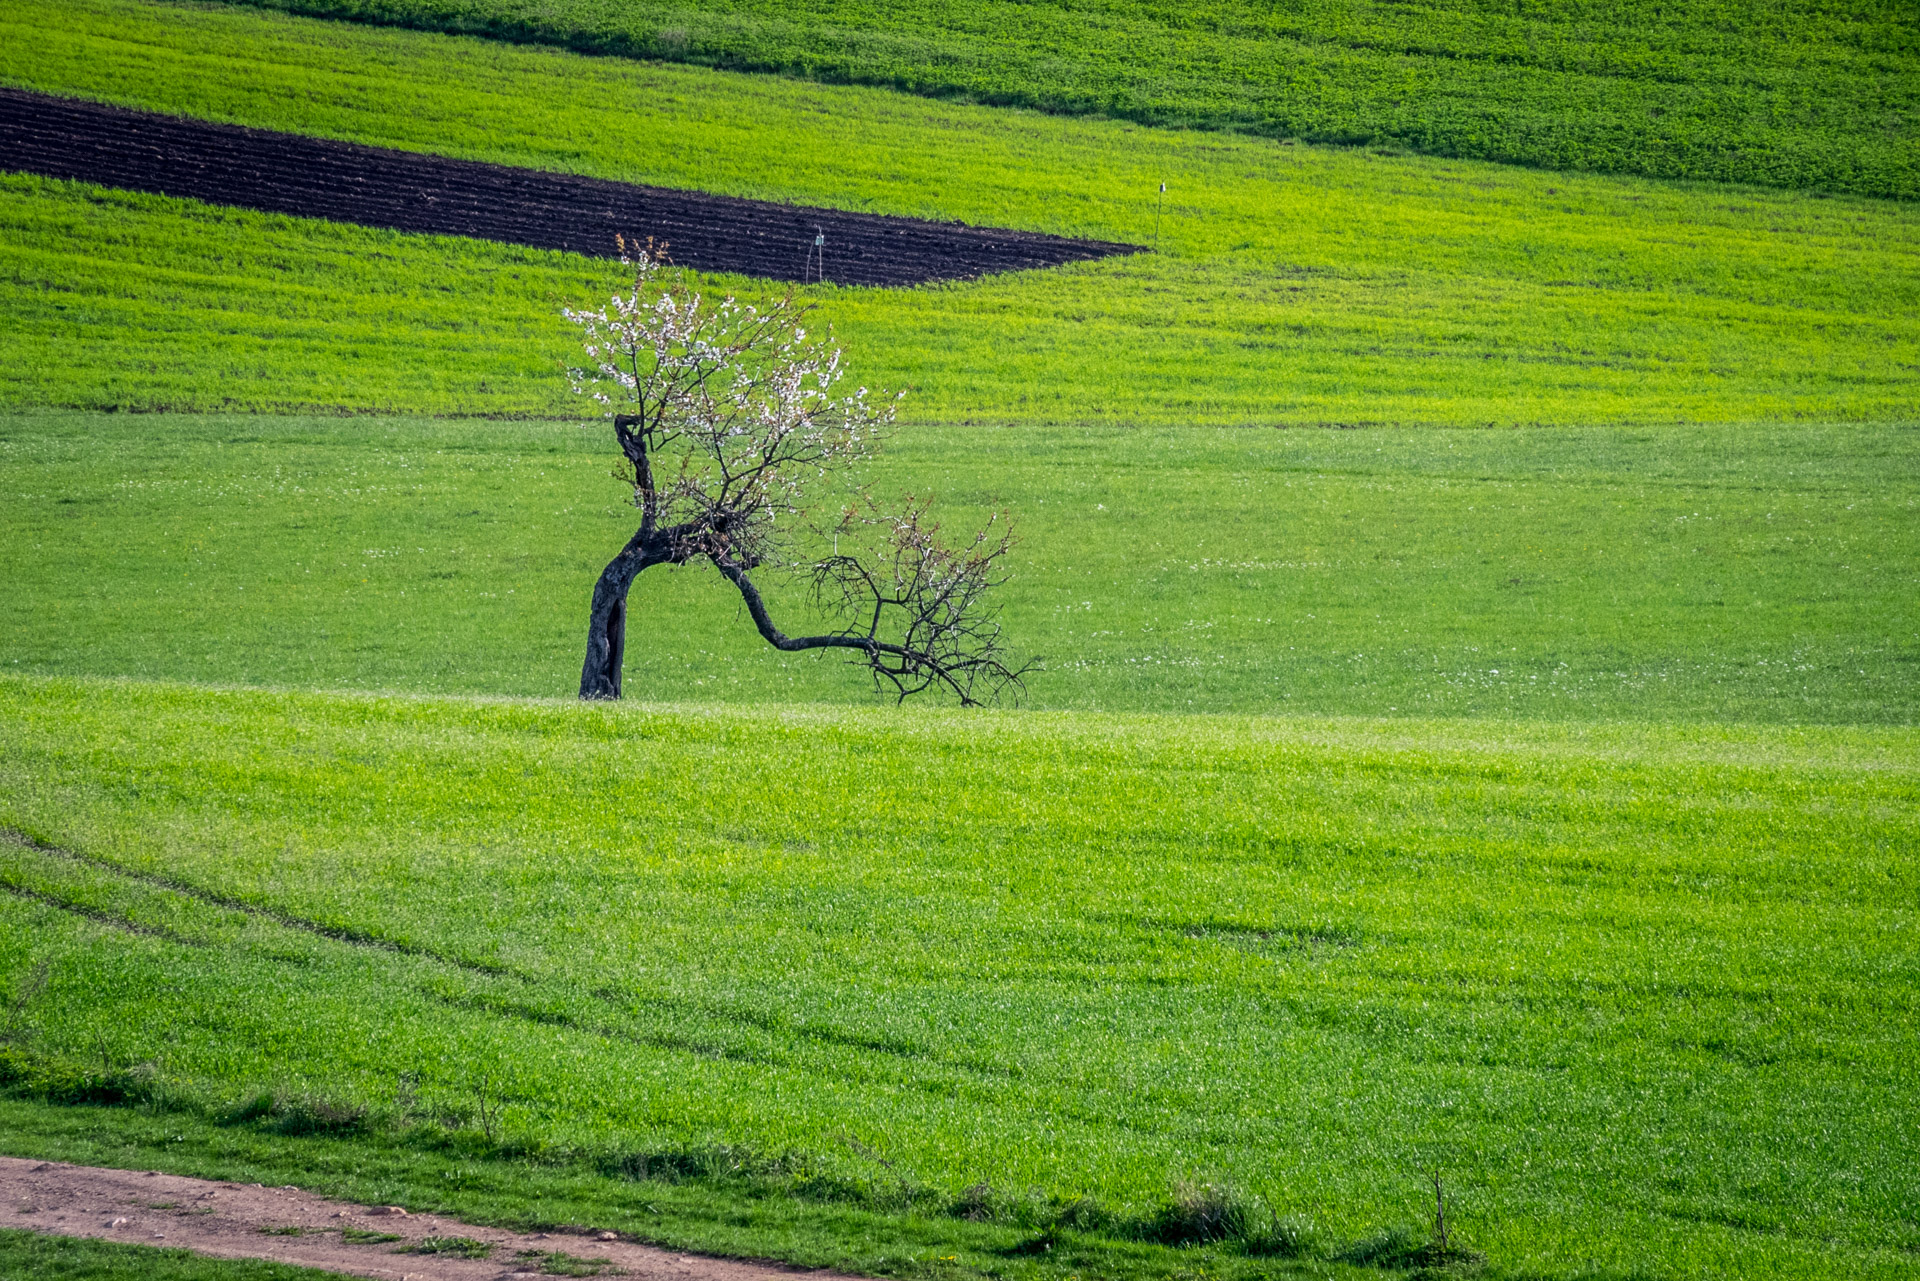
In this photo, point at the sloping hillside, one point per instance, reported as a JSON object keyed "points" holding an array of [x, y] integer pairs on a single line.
{"points": [[1799, 94]]}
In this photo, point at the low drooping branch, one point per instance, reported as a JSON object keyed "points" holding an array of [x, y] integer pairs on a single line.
{"points": [[738, 402], [907, 667]]}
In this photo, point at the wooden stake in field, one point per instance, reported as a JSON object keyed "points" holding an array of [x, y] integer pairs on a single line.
{"points": [[1156, 216]]}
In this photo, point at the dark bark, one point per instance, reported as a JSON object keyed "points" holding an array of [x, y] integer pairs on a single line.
{"points": [[909, 669], [607, 625], [757, 608], [607, 618], [606, 636]]}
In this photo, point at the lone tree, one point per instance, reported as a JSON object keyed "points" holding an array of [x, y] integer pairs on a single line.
{"points": [[728, 419]]}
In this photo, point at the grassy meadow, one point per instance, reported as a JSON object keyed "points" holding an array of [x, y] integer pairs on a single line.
{"points": [[1792, 95], [1724, 574], [1518, 782], [1293, 284], [1646, 994]]}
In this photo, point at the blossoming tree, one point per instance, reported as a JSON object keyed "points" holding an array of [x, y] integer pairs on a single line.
{"points": [[728, 418]]}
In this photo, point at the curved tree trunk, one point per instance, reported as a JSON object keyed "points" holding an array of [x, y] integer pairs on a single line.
{"points": [[606, 639], [607, 623]]}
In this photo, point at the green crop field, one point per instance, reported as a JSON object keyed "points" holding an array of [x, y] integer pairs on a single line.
{"points": [[1790, 94], [1519, 784], [1727, 574], [1644, 994], [1293, 284]]}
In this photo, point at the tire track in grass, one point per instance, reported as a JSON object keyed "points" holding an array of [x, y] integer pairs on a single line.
{"points": [[492, 1004], [544, 1001], [213, 898], [99, 916]]}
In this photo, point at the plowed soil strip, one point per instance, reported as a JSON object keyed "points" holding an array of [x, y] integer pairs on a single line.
{"points": [[407, 191], [247, 1221]]}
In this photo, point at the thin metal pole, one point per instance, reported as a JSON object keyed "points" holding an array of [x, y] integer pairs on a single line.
{"points": [[1156, 216]]}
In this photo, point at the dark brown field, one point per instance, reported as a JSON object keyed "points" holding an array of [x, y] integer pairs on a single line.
{"points": [[408, 191]]}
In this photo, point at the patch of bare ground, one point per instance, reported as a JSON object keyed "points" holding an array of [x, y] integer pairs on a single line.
{"points": [[287, 1225], [412, 191]]}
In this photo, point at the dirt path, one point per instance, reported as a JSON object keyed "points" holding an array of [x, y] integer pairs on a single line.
{"points": [[248, 1221], [410, 191]]}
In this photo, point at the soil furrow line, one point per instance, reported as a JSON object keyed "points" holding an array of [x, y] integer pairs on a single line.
{"points": [[416, 192]]}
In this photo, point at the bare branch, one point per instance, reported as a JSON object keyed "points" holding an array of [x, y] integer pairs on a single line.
{"points": [[904, 582]]}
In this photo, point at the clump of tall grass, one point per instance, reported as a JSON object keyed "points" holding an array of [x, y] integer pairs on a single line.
{"points": [[1401, 1247], [1206, 1212], [296, 1114], [1033, 1210], [65, 1081]]}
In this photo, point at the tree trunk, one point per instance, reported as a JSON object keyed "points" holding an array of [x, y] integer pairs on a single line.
{"points": [[607, 624]]}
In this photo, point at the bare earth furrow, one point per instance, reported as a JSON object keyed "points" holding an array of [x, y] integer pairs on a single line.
{"points": [[409, 191]]}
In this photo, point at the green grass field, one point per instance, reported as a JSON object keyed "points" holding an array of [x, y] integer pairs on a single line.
{"points": [[1724, 574], [1522, 783], [1646, 994], [1795, 95], [1294, 284]]}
